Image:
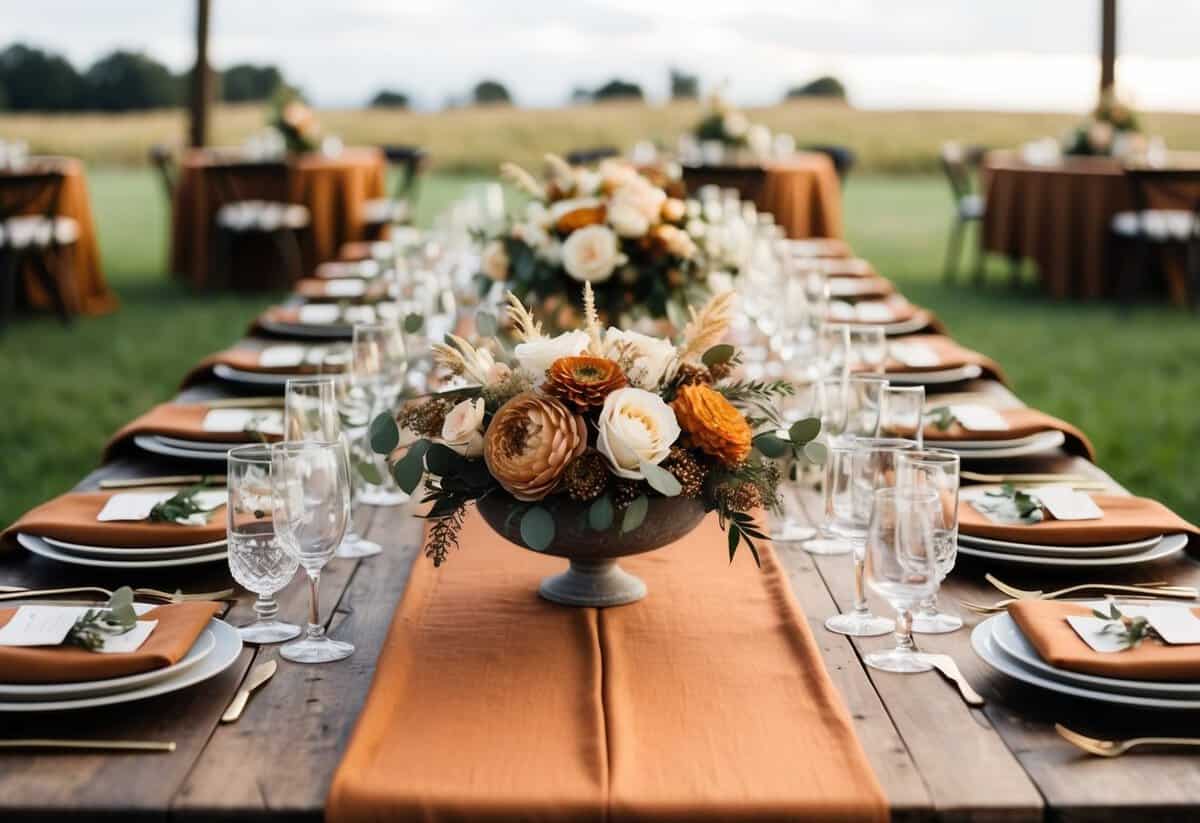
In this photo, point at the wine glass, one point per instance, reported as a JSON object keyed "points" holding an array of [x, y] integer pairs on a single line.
{"points": [[936, 470], [900, 412], [833, 348], [376, 355], [870, 465], [901, 565], [257, 560], [851, 405], [311, 489]]}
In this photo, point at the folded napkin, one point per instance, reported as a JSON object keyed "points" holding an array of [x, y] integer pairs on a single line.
{"points": [[245, 359], [1022, 422], [363, 267], [185, 421], [179, 624], [894, 309], [1044, 624], [1126, 519], [343, 288], [871, 287], [72, 517], [316, 314], [948, 353]]}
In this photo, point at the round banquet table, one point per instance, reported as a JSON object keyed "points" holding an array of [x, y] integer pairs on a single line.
{"points": [[333, 188], [86, 292], [802, 192]]}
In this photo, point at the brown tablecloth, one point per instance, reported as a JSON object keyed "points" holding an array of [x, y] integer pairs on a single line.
{"points": [[333, 188], [706, 701], [803, 192], [87, 293]]}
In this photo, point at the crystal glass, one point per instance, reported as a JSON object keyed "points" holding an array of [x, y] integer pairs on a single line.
{"points": [[901, 565], [936, 470], [870, 465], [833, 348], [311, 491], [868, 348], [377, 358], [257, 560], [900, 411], [851, 405]]}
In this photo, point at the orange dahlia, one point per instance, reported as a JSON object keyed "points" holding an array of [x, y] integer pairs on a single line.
{"points": [[579, 218], [713, 423], [530, 442], [584, 381]]}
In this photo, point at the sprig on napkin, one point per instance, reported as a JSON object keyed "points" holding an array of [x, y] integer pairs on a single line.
{"points": [[116, 618], [183, 508], [1130, 631], [1010, 504], [941, 417]]}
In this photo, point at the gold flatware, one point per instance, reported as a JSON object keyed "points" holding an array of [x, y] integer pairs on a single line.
{"points": [[90, 745], [259, 675], [981, 477], [1156, 588], [171, 480], [19, 593], [246, 403], [1116, 748], [946, 666]]}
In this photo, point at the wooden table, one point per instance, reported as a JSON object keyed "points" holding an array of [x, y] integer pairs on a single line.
{"points": [[936, 758]]}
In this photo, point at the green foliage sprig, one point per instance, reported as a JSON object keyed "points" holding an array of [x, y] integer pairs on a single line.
{"points": [[1129, 631], [181, 508], [116, 618]]}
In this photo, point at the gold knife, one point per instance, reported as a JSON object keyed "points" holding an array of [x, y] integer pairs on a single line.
{"points": [[93, 745], [172, 480], [259, 675], [945, 664], [246, 403]]}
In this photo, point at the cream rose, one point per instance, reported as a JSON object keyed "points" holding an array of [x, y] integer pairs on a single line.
{"points": [[639, 193], [673, 210], [651, 356], [626, 220], [635, 426], [616, 173], [591, 253], [495, 261], [537, 355], [463, 428]]}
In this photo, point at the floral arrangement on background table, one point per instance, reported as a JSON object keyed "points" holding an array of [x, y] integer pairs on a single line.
{"points": [[1112, 130], [586, 432], [612, 227], [295, 121], [725, 124]]}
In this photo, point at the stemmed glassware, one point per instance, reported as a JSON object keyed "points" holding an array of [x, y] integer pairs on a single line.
{"points": [[257, 560], [900, 412], [936, 470], [311, 491], [869, 465], [377, 357], [901, 565]]}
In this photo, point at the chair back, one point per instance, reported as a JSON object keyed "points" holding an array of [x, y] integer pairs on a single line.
{"points": [[410, 160], [35, 192], [235, 179], [1164, 188], [959, 163], [163, 160], [588, 156], [748, 180]]}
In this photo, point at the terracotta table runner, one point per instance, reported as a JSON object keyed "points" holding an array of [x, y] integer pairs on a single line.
{"points": [[708, 700]]}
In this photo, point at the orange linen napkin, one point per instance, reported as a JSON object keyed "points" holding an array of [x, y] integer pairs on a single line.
{"points": [[317, 290], [242, 359], [951, 355], [708, 700], [178, 627], [1044, 624], [354, 251], [182, 420], [1021, 423], [72, 518], [1126, 519]]}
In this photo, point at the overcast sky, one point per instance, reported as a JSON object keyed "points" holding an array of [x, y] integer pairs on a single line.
{"points": [[1015, 54]]}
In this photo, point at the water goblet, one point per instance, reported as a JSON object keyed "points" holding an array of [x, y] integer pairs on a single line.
{"points": [[936, 470]]}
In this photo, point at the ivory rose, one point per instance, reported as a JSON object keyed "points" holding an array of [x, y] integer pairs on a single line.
{"points": [[651, 356], [495, 261], [537, 355], [639, 193], [463, 428], [626, 220], [673, 210], [635, 426], [591, 253]]}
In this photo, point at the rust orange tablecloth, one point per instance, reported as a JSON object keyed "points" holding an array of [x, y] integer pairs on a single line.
{"points": [[708, 700], [333, 188], [803, 192], [87, 292]]}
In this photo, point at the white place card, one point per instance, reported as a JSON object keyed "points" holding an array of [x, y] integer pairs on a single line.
{"points": [[978, 418], [1066, 503], [345, 288], [319, 313], [266, 421], [1091, 631], [281, 357], [49, 626], [138, 505], [841, 310], [874, 311], [914, 355], [359, 314], [1176, 625], [849, 286], [130, 641]]}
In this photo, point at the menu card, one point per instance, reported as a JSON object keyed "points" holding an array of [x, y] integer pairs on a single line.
{"points": [[266, 421]]}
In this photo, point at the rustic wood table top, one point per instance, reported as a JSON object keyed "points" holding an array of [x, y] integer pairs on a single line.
{"points": [[936, 758]]}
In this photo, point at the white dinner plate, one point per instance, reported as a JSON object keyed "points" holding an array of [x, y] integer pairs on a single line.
{"points": [[989, 445], [989, 651], [1041, 442], [1009, 547], [39, 546], [316, 331], [228, 645], [155, 445], [203, 646], [957, 374], [1008, 636], [139, 552], [253, 378], [1169, 545], [201, 445]]}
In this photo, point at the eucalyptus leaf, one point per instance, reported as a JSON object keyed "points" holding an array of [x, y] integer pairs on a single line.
{"points": [[720, 353], [537, 529], [635, 513], [384, 434], [407, 473], [369, 472], [661, 480], [413, 323], [600, 514], [816, 451], [485, 324], [771, 445], [442, 460], [803, 431]]}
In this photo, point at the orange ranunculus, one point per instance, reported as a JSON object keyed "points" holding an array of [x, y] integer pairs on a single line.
{"points": [[582, 382], [713, 423], [579, 218]]}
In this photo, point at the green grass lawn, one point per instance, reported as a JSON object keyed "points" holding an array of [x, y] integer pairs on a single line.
{"points": [[1131, 382]]}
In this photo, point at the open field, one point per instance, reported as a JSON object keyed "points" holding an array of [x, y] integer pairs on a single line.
{"points": [[1129, 381], [478, 139]]}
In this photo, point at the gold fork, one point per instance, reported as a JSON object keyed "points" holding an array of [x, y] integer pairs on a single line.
{"points": [[1116, 748], [1157, 587], [19, 593]]}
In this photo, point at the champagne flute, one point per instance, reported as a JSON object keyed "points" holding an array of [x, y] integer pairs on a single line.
{"points": [[374, 352], [311, 490], [257, 560]]}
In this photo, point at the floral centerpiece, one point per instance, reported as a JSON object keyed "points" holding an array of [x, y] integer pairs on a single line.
{"points": [[732, 128], [1112, 130], [596, 443], [295, 121], [613, 227]]}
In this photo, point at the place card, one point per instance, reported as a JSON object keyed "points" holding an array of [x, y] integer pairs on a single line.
{"points": [[1091, 631], [359, 314], [978, 418], [345, 288], [281, 357], [914, 355], [874, 311], [1176, 625], [225, 421], [319, 314], [849, 286], [840, 310], [138, 505], [49, 626], [1066, 503]]}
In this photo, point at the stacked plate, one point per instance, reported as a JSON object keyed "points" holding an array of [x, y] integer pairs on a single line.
{"points": [[215, 650], [1002, 449], [124, 557], [204, 451], [935, 377], [999, 641]]}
